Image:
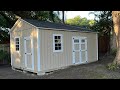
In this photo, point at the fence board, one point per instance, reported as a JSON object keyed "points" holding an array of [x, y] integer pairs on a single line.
{"points": [[5, 47]]}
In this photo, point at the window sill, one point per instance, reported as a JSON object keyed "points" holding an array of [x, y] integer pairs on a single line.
{"points": [[58, 51]]}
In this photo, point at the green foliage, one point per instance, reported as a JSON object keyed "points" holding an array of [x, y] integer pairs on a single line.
{"points": [[8, 18], [91, 22], [4, 55], [57, 19], [41, 15], [112, 66], [2, 21], [80, 22], [103, 22], [4, 35]]}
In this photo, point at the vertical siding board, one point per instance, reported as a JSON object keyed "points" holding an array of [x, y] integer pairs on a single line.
{"points": [[47, 49], [62, 59], [44, 64], [64, 49], [67, 45], [68, 48], [44, 40], [58, 54], [48, 45], [50, 39], [54, 59], [51, 53], [41, 48]]}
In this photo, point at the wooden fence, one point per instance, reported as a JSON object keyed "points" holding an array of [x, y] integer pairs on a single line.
{"points": [[5, 47], [103, 44]]}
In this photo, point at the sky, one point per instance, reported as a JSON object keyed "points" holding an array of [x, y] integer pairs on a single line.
{"points": [[72, 14]]}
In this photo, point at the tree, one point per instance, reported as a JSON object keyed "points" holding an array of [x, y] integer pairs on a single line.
{"points": [[63, 15], [8, 18], [116, 24], [105, 28], [39, 15], [6, 22], [4, 35], [103, 21], [91, 22], [83, 22], [2, 21]]}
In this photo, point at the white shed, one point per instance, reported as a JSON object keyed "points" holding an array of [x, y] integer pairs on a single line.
{"points": [[40, 46]]}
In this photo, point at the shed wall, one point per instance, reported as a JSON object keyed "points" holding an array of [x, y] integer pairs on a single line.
{"points": [[23, 30], [52, 60]]}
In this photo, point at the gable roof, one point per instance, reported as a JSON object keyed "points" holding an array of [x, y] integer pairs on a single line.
{"points": [[57, 26]]}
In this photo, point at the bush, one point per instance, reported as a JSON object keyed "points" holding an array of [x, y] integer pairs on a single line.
{"points": [[112, 66], [4, 55]]}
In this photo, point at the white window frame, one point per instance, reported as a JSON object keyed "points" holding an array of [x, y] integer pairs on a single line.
{"points": [[61, 43], [15, 43]]}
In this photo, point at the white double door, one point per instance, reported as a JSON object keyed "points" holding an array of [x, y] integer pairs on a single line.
{"points": [[79, 50]]}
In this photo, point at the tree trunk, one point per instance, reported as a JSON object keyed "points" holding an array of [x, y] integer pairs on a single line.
{"points": [[109, 42], [113, 41], [116, 22], [63, 17]]}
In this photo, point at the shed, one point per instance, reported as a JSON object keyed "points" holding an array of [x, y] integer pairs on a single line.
{"points": [[41, 46]]}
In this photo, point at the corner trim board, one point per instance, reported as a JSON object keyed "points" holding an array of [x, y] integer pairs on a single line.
{"points": [[38, 49]]}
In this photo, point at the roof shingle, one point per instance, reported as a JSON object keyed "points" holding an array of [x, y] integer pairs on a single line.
{"points": [[46, 24]]}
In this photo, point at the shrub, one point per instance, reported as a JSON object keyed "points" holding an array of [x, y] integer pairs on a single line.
{"points": [[112, 66]]}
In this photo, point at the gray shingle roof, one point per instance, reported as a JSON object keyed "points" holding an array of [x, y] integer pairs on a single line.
{"points": [[46, 24]]}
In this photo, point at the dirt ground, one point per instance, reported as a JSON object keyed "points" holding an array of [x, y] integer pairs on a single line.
{"points": [[95, 70]]}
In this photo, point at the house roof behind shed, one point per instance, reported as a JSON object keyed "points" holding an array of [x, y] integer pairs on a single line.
{"points": [[46, 24]]}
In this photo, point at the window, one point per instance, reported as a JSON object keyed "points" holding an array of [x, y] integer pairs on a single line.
{"points": [[83, 40], [17, 44], [76, 41], [57, 43]]}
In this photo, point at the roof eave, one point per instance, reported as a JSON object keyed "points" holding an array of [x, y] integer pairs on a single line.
{"points": [[66, 30], [19, 19]]}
